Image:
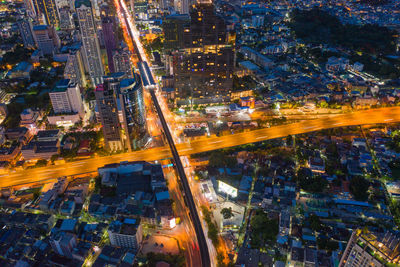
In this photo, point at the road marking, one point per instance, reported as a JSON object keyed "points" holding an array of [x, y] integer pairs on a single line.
{"points": [[388, 119], [216, 142], [337, 123], [309, 127], [78, 163], [262, 137], [187, 149], [45, 171]]}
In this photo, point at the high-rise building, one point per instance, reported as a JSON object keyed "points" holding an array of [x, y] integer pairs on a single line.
{"points": [[106, 105], [46, 39], [90, 41], [174, 27], [133, 111], [122, 61], [66, 22], [31, 8], [66, 98], [48, 9], [121, 110], [110, 43], [63, 243], [367, 248], [25, 29], [74, 69], [203, 69]]}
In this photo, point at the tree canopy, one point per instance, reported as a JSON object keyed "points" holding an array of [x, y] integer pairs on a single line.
{"points": [[359, 188]]}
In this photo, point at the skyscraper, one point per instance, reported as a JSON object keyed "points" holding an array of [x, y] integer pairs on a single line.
{"points": [[122, 61], [74, 69], [106, 104], [133, 111], [49, 10], [25, 29], [174, 27], [46, 39], [121, 110], [66, 98], [66, 22], [89, 40], [203, 69], [31, 8], [107, 26]]}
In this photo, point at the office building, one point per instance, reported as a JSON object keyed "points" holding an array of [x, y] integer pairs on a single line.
{"points": [[25, 29], [66, 98], [63, 243], [174, 27], [90, 41], [133, 111], [110, 43], [46, 39], [74, 69], [121, 110], [106, 104], [127, 233], [48, 9], [203, 69], [367, 248], [122, 61]]}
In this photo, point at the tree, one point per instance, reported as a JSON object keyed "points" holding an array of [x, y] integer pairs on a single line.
{"points": [[359, 188], [227, 213], [41, 163], [263, 229], [54, 157], [310, 183], [315, 223]]}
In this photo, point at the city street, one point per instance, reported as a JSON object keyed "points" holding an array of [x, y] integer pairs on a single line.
{"points": [[372, 116]]}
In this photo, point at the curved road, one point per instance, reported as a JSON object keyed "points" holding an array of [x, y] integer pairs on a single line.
{"points": [[372, 116]]}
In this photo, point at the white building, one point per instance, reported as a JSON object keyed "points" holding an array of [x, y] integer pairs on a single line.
{"points": [[126, 234], [66, 98]]}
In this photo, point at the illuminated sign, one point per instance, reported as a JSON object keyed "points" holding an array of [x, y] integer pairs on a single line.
{"points": [[172, 223], [227, 189]]}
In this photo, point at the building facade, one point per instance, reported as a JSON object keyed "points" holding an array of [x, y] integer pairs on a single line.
{"points": [[46, 39], [66, 98], [74, 69], [25, 29], [48, 9], [203, 69], [121, 110], [106, 104], [89, 40], [367, 248], [122, 61], [110, 43], [126, 234], [133, 111]]}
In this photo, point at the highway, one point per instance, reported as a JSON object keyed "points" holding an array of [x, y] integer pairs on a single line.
{"points": [[205, 257], [149, 83], [372, 116]]}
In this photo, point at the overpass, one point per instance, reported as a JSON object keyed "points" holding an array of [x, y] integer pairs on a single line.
{"points": [[372, 116], [149, 83]]}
